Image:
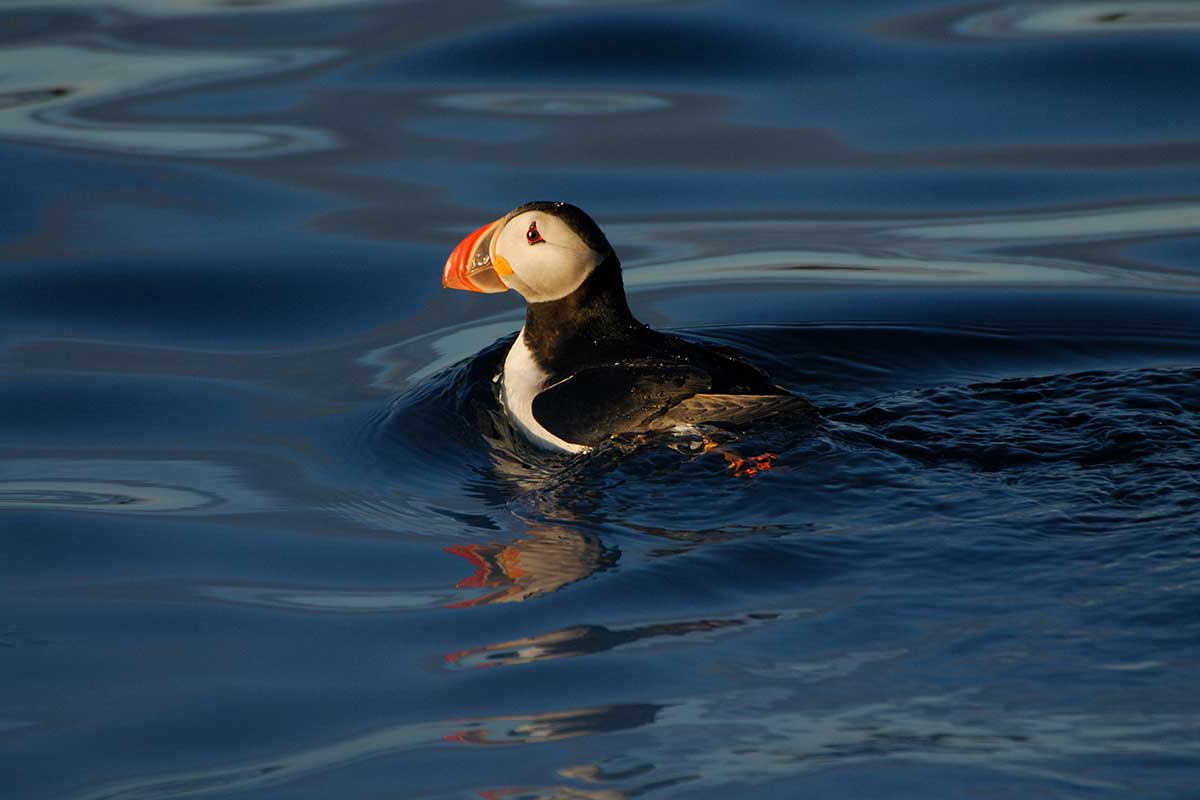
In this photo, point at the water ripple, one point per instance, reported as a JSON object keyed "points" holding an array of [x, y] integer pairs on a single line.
{"points": [[553, 104], [345, 601], [619, 46], [1057, 19], [121, 498], [50, 93], [172, 8], [126, 486], [748, 736], [393, 742], [585, 640]]}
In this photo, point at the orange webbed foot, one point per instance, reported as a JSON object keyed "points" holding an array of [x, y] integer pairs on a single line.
{"points": [[751, 466]]}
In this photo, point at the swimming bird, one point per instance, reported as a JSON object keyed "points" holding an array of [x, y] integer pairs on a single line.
{"points": [[583, 368]]}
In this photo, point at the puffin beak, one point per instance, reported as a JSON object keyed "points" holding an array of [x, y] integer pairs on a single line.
{"points": [[470, 265]]}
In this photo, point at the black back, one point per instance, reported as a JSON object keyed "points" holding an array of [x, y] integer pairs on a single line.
{"points": [[598, 401], [608, 372]]}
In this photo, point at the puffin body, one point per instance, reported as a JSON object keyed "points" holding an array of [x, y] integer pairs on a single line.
{"points": [[583, 368]]}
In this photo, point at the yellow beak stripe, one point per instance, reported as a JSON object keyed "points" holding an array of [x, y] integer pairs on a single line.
{"points": [[501, 266]]}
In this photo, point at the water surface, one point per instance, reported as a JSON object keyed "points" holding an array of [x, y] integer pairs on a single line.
{"points": [[266, 534]]}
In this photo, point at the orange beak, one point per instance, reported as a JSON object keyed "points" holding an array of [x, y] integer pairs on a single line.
{"points": [[470, 265]]}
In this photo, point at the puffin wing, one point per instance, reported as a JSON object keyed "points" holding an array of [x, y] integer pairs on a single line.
{"points": [[596, 402], [735, 409]]}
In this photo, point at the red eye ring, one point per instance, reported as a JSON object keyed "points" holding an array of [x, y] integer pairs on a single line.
{"points": [[532, 235]]}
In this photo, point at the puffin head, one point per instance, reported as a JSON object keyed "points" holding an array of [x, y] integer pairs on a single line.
{"points": [[543, 251]]}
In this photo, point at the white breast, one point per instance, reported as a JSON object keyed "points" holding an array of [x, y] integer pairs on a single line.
{"points": [[523, 379]]}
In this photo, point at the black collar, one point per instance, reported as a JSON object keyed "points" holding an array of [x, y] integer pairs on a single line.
{"points": [[591, 323]]}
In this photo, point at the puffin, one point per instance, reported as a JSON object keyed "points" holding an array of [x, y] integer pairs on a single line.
{"points": [[583, 368]]}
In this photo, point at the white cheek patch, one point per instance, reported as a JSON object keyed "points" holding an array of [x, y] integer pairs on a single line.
{"points": [[548, 270]]}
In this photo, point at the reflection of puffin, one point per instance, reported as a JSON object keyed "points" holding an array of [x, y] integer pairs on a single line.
{"points": [[545, 561], [582, 368]]}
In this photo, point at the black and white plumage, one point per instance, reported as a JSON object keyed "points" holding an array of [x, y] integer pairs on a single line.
{"points": [[583, 368]]}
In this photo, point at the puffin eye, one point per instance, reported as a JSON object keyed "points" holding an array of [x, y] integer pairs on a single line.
{"points": [[532, 236]]}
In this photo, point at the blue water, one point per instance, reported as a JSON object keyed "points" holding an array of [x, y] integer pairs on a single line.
{"points": [[265, 533]]}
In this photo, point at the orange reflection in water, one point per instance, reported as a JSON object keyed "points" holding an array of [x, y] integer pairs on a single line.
{"points": [[545, 560]]}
